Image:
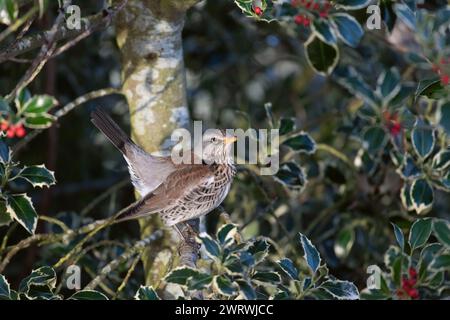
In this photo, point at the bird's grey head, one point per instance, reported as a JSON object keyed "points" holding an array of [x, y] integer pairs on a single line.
{"points": [[217, 147]]}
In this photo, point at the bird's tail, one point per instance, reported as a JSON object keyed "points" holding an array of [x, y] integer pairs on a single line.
{"points": [[110, 129], [135, 210]]}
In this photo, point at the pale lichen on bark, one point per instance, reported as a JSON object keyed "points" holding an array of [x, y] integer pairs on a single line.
{"points": [[149, 35]]}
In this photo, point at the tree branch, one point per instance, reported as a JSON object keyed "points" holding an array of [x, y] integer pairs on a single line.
{"points": [[127, 254], [89, 25]]}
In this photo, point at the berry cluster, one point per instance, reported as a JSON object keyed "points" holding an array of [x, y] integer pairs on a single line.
{"points": [[393, 123], [439, 70], [408, 284], [12, 130], [310, 5], [258, 11]]}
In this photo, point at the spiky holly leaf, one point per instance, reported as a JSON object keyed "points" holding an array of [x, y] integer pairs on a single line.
{"points": [[20, 208], [146, 293], [38, 176]]}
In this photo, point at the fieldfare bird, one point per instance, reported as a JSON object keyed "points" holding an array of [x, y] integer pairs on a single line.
{"points": [[176, 192]]}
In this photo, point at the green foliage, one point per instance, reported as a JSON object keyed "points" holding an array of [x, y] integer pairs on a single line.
{"points": [[32, 111], [422, 266], [41, 285], [364, 153], [18, 206], [235, 268]]}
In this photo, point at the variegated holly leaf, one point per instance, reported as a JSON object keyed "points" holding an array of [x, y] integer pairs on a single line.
{"points": [[399, 236], [422, 196], [289, 268], [441, 161], [40, 121], [20, 208], [344, 242], [9, 11], [311, 254], [5, 290], [441, 230], [322, 57], [39, 104], [5, 217], [210, 245], [224, 286], [41, 277], [246, 290], [38, 176], [423, 139], [267, 277], [342, 290], [146, 293], [419, 233], [226, 233], [348, 29], [302, 143], [259, 250], [292, 176], [88, 295]]}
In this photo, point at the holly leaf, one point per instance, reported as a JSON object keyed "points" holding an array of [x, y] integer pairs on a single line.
{"points": [[38, 176], [146, 293], [422, 196], [419, 233], [88, 295], [348, 29], [311, 254], [322, 57], [20, 208]]}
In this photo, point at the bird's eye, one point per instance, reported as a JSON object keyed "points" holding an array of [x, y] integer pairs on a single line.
{"points": [[213, 139]]}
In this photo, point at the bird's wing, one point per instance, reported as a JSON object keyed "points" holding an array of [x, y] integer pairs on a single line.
{"points": [[179, 184], [147, 172]]}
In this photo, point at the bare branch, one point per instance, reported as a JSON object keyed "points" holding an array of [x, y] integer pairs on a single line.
{"points": [[89, 25], [65, 110], [138, 247]]}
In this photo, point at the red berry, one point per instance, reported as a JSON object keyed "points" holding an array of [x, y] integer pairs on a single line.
{"points": [[308, 5], [413, 293], [20, 131], [445, 79], [298, 19], [323, 14], [294, 3], [412, 272], [443, 61], [10, 133], [395, 128], [258, 11], [4, 125], [405, 284], [306, 22], [316, 6]]}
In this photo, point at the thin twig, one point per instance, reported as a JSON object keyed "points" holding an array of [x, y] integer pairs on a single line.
{"points": [[103, 196], [127, 254], [16, 25], [45, 53], [25, 243], [128, 275], [65, 110], [93, 23]]}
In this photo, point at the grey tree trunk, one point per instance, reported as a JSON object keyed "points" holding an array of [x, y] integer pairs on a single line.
{"points": [[149, 37]]}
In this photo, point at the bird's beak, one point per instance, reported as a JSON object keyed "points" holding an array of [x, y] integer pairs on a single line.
{"points": [[229, 140]]}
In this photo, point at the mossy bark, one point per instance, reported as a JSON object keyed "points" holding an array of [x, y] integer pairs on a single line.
{"points": [[149, 35]]}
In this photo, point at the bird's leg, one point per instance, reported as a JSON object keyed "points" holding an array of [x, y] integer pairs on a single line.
{"points": [[187, 233]]}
